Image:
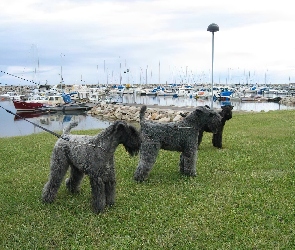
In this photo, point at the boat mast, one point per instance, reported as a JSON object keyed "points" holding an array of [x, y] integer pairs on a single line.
{"points": [[146, 74], [159, 73], [120, 75], [61, 78], [97, 75]]}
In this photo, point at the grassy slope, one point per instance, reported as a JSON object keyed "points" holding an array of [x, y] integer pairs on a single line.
{"points": [[242, 198]]}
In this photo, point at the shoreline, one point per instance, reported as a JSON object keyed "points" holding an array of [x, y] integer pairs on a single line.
{"points": [[157, 113]]}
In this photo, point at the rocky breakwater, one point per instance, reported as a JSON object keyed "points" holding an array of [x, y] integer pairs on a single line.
{"points": [[130, 113], [288, 100]]}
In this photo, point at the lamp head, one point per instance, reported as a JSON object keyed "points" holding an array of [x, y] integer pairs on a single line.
{"points": [[213, 27]]}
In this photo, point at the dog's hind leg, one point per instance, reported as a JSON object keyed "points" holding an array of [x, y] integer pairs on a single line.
{"points": [[200, 136], [110, 183], [58, 169], [74, 181], [148, 156], [98, 194]]}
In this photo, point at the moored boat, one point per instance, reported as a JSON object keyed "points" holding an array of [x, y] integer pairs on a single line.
{"points": [[203, 93], [65, 108], [4, 97], [38, 98], [27, 106]]}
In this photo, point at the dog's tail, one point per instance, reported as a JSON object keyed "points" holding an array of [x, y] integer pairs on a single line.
{"points": [[69, 127], [142, 112]]}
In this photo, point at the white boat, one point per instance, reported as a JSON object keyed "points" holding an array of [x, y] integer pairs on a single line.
{"points": [[54, 100], [13, 96], [185, 90], [139, 91], [38, 99], [117, 90], [203, 93], [166, 92], [95, 97], [5, 97], [18, 97], [100, 91], [128, 91], [250, 91], [283, 92], [151, 91]]}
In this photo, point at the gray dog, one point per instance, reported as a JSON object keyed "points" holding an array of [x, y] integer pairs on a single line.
{"points": [[179, 136], [93, 156]]}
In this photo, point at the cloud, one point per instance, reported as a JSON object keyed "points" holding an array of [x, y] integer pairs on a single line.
{"points": [[96, 34]]}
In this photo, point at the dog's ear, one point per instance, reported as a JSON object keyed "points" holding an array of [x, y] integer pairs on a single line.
{"points": [[199, 110], [230, 106]]}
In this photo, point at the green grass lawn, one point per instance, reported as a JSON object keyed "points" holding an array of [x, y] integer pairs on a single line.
{"points": [[242, 198]]}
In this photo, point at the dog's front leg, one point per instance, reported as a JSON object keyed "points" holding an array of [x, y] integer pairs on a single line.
{"points": [[110, 189], [217, 139], [98, 194], [187, 162]]}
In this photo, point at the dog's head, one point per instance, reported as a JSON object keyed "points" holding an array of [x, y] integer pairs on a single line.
{"points": [[128, 136], [226, 112]]}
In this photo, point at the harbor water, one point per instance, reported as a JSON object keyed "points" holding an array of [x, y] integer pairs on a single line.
{"points": [[11, 125]]}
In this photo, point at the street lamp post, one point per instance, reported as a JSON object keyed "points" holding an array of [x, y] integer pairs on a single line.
{"points": [[213, 27]]}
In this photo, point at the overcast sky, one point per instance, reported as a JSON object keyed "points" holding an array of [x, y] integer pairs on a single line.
{"points": [[92, 41]]}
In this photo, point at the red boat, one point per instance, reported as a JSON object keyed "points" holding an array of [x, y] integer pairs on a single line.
{"points": [[27, 106]]}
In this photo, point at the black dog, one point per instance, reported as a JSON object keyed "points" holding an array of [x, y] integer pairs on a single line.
{"points": [[226, 114]]}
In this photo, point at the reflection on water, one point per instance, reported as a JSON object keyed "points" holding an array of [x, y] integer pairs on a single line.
{"points": [[11, 125], [15, 125], [54, 122]]}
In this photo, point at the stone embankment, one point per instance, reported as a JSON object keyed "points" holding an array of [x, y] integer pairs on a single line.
{"points": [[288, 100], [130, 113]]}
